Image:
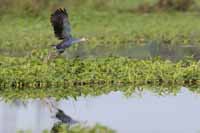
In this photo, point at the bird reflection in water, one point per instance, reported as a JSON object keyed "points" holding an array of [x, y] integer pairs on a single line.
{"points": [[58, 113]]}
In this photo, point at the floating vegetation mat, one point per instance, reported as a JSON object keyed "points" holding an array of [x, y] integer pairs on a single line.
{"points": [[92, 71], [32, 77], [62, 128]]}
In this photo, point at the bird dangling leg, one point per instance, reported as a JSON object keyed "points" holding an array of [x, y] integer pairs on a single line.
{"points": [[52, 55]]}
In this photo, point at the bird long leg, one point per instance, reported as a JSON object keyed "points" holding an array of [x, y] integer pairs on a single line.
{"points": [[52, 55], [51, 104], [45, 103]]}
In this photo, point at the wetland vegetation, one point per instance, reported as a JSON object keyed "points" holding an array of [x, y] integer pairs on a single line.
{"points": [[21, 75], [135, 45]]}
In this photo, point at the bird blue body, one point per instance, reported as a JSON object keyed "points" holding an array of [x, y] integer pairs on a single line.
{"points": [[66, 43]]}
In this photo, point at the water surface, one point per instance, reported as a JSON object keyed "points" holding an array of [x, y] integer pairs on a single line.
{"points": [[146, 51], [143, 112]]}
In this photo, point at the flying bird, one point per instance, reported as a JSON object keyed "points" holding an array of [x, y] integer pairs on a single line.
{"points": [[60, 23]]}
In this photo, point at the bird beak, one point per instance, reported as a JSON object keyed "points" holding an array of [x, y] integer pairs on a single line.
{"points": [[84, 39]]}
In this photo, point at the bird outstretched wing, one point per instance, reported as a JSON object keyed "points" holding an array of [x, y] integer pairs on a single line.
{"points": [[61, 25]]}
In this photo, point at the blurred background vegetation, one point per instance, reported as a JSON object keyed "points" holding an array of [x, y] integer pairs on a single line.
{"points": [[38, 7], [103, 22]]}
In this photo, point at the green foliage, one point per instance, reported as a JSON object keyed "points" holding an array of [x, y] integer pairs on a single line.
{"points": [[38, 7], [33, 7], [26, 35], [107, 69], [63, 128], [166, 5], [31, 78], [22, 131], [180, 5]]}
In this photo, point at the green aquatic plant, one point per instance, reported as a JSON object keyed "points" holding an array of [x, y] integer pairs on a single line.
{"points": [[63, 128], [31, 77], [22, 131], [117, 69]]}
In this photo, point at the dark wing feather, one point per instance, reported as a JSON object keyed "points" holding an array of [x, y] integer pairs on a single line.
{"points": [[60, 23]]}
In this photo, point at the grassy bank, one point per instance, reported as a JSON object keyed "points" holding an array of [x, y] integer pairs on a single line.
{"points": [[27, 34], [38, 7]]}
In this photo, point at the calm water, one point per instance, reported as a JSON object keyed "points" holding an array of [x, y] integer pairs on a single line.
{"points": [[140, 113], [149, 50]]}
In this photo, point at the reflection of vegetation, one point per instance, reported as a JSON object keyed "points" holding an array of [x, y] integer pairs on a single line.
{"points": [[59, 128], [75, 91], [22, 131], [63, 128]]}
